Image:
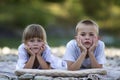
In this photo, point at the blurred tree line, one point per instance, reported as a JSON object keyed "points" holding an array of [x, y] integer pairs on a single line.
{"points": [[17, 14]]}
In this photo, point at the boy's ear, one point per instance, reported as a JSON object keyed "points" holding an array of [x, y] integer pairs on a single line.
{"points": [[75, 36], [99, 37]]}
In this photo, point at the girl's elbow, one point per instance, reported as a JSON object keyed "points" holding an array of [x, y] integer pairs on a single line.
{"points": [[98, 66]]}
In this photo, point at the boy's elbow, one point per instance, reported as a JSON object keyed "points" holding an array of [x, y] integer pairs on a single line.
{"points": [[71, 69], [100, 66]]}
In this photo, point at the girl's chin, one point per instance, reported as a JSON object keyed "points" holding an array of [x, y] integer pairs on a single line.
{"points": [[87, 46], [35, 51]]}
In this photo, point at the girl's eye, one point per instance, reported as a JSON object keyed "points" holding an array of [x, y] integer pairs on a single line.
{"points": [[82, 34], [39, 40], [31, 40]]}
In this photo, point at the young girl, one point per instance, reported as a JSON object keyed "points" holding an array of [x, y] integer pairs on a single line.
{"points": [[85, 51], [34, 52]]}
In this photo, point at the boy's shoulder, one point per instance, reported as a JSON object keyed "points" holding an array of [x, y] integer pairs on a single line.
{"points": [[72, 43], [100, 43]]}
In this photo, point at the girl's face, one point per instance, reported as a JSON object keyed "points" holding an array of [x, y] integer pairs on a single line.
{"points": [[34, 44], [87, 33]]}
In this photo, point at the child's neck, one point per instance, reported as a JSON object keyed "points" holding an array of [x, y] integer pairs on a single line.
{"points": [[87, 56]]}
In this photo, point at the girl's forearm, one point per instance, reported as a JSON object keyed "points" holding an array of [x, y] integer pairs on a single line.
{"points": [[43, 63], [30, 62]]}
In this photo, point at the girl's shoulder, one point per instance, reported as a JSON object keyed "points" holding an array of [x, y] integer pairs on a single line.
{"points": [[21, 46], [47, 49], [47, 46]]}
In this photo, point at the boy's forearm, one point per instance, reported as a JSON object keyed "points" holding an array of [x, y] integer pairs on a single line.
{"points": [[94, 63], [77, 64]]}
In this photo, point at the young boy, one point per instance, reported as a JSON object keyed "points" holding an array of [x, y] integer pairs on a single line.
{"points": [[85, 51]]}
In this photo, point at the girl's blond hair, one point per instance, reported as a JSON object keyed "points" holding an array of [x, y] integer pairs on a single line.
{"points": [[34, 30]]}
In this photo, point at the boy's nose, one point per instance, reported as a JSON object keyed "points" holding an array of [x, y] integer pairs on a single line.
{"points": [[87, 37]]}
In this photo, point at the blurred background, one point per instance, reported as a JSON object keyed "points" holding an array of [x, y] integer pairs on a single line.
{"points": [[59, 18]]}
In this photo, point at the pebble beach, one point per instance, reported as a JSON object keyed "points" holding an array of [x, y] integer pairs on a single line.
{"points": [[8, 58]]}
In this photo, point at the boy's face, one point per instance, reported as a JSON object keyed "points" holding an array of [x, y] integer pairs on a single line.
{"points": [[87, 33], [34, 44]]}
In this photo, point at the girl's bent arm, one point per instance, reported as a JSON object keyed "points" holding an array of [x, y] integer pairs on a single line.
{"points": [[43, 63], [30, 62]]}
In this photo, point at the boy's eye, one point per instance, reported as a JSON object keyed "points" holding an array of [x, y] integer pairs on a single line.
{"points": [[91, 34]]}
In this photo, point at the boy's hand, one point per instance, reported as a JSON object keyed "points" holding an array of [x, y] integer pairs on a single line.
{"points": [[80, 45], [28, 48], [92, 48]]}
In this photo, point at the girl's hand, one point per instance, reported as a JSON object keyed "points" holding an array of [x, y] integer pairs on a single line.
{"points": [[92, 48], [28, 48], [42, 48], [80, 45]]}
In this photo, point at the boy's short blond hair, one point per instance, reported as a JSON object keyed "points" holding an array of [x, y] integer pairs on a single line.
{"points": [[34, 30], [87, 22]]}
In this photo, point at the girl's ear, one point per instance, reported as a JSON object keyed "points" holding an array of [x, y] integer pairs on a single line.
{"points": [[25, 42]]}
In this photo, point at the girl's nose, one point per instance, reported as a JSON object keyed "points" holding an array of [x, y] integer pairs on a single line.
{"points": [[35, 43]]}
